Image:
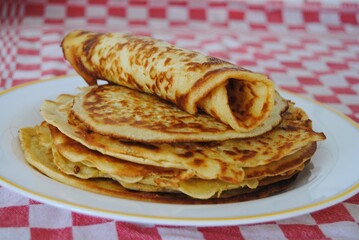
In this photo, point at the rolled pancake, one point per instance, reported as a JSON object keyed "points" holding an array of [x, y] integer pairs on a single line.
{"points": [[191, 80], [124, 113], [40, 156], [223, 160]]}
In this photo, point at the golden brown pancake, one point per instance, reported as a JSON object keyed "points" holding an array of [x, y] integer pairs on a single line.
{"points": [[194, 187], [77, 153], [191, 80], [75, 159], [222, 160], [125, 113], [39, 155]]}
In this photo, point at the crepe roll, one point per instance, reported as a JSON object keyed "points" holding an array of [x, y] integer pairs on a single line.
{"points": [[194, 82]]}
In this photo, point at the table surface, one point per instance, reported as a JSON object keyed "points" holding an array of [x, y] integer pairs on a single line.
{"points": [[311, 48]]}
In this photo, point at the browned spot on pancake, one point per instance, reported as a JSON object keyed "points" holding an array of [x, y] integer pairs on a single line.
{"points": [[88, 131], [90, 44], [243, 155], [85, 73], [263, 142], [289, 128], [167, 61], [198, 162], [141, 144], [132, 81], [181, 100], [146, 63], [186, 154], [230, 152], [308, 123], [286, 145], [76, 169]]}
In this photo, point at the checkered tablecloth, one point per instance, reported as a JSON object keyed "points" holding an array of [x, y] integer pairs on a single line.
{"points": [[308, 47]]}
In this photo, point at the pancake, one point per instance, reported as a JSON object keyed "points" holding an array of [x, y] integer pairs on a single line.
{"points": [[77, 153], [74, 159], [194, 187], [39, 155], [124, 113], [231, 94], [222, 160]]}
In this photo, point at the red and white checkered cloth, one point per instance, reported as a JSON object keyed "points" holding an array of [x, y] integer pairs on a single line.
{"points": [[309, 47]]}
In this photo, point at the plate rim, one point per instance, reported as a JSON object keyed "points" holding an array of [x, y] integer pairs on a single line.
{"points": [[183, 221]]}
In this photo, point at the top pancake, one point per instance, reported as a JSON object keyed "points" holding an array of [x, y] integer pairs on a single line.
{"points": [[124, 113], [233, 95]]}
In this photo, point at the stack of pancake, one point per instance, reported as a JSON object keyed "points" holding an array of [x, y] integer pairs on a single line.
{"points": [[171, 125]]}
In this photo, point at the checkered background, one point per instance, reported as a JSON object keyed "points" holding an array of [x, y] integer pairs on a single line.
{"points": [[308, 47]]}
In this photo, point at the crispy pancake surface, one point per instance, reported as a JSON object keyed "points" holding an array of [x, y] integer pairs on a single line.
{"points": [[124, 113]]}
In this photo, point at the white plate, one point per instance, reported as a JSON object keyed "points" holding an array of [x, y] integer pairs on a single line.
{"points": [[331, 178]]}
